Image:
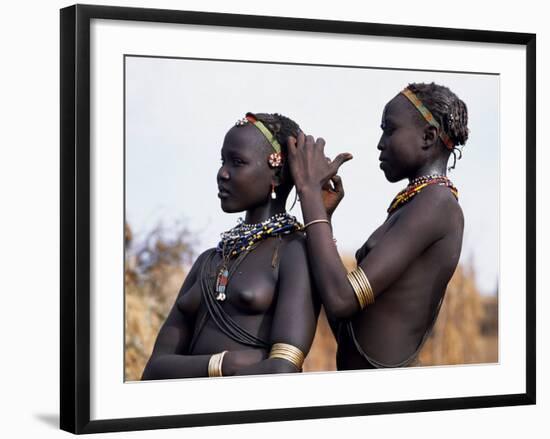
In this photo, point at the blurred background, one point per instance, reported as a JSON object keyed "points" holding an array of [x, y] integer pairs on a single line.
{"points": [[177, 112]]}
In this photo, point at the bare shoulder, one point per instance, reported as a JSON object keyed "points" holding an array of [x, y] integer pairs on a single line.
{"points": [[295, 247], [204, 254], [438, 200], [437, 208], [200, 259], [295, 240], [194, 272]]}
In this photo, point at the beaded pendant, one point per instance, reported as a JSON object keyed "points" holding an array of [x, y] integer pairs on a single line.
{"points": [[221, 283]]}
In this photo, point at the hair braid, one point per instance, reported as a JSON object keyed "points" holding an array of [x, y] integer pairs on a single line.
{"points": [[280, 126], [448, 110]]}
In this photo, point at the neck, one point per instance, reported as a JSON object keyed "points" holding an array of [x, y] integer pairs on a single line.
{"points": [[437, 168], [265, 211]]}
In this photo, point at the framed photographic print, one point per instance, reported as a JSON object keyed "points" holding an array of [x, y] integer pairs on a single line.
{"points": [[150, 100]]}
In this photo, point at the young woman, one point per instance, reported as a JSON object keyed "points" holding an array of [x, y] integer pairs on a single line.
{"points": [[383, 311], [247, 306]]}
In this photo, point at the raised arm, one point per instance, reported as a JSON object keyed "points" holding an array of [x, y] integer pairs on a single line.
{"points": [[411, 234], [296, 312]]}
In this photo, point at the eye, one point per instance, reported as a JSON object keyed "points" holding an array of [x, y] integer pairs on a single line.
{"points": [[237, 161], [388, 130]]}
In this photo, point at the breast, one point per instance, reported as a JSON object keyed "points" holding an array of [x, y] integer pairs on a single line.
{"points": [[375, 238], [253, 295], [370, 243]]}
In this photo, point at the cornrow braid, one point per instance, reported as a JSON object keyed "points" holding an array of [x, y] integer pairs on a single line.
{"points": [[448, 110], [280, 126]]}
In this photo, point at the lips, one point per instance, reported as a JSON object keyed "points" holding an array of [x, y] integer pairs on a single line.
{"points": [[222, 192]]}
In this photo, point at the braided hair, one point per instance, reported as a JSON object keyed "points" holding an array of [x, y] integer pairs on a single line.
{"points": [[448, 110], [281, 127]]}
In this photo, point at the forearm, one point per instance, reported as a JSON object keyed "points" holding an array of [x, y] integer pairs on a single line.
{"points": [[271, 365], [170, 366], [328, 271]]}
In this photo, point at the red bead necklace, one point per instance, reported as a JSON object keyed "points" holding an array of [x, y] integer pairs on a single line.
{"points": [[416, 186]]}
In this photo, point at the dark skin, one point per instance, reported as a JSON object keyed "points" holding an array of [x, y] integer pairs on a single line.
{"points": [[275, 304], [408, 260]]}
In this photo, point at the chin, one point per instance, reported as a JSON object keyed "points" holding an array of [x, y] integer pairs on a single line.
{"points": [[389, 176], [392, 178], [228, 207]]}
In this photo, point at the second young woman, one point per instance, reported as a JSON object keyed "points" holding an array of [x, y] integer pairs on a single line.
{"points": [[383, 311]]}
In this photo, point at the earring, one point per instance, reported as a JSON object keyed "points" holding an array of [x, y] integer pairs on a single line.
{"points": [[273, 194]]}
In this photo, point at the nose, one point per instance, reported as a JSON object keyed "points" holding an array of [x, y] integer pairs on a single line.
{"points": [[222, 174], [380, 145]]}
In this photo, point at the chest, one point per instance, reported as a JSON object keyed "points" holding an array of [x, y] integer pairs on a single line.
{"points": [[375, 237], [250, 288]]}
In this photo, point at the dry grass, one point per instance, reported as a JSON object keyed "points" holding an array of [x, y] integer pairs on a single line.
{"points": [[465, 332]]}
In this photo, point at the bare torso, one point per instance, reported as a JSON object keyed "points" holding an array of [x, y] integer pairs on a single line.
{"points": [[391, 330], [251, 297]]}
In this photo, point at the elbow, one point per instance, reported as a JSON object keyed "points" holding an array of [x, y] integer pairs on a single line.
{"points": [[339, 300], [340, 309]]}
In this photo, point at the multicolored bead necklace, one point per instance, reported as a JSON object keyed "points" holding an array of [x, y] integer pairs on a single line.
{"points": [[243, 237], [416, 186]]}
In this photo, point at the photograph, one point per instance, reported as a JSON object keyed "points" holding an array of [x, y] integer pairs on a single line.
{"points": [[218, 267], [270, 218], [275, 220]]}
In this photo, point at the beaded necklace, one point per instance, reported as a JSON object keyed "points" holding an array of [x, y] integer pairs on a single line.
{"points": [[243, 237], [416, 186]]}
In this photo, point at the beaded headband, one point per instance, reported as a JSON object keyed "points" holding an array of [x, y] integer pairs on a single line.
{"points": [[276, 158], [427, 114]]}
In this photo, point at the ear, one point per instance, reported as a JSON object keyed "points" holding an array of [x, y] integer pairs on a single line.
{"points": [[430, 136]]}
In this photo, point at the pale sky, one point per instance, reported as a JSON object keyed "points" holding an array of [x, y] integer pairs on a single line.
{"points": [[178, 111]]}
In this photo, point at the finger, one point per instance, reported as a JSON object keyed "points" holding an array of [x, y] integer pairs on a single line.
{"points": [[310, 141], [300, 140], [339, 161], [291, 145], [329, 185], [337, 182], [320, 143]]}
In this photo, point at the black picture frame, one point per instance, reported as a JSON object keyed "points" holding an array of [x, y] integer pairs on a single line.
{"points": [[76, 211]]}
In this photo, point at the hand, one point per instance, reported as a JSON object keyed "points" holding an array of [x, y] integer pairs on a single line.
{"points": [[235, 360], [308, 164], [332, 193]]}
